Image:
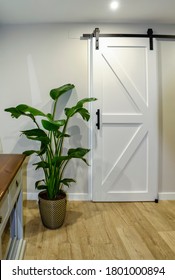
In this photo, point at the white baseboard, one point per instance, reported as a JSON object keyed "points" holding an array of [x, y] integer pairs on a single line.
{"points": [[86, 196], [30, 196], [167, 196], [70, 196], [78, 196]]}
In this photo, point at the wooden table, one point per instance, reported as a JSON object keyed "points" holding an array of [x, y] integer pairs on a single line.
{"points": [[11, 204]]}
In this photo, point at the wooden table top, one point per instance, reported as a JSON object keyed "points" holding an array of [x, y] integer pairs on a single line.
{"points": [[9, 166]]}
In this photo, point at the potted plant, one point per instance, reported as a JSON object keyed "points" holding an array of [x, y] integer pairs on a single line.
{"points": [[50, 133]]}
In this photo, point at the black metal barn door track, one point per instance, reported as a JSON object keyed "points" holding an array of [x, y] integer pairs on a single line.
{"points": [[150, 35]]}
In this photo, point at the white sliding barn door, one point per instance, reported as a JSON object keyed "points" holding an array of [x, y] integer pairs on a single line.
{"points": [[125, 147]]}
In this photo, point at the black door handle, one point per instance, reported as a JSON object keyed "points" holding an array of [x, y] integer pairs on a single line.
{"points": [[98, 118]]}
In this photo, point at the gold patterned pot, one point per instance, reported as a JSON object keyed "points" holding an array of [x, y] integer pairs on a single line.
{"points": [[52, 211]]}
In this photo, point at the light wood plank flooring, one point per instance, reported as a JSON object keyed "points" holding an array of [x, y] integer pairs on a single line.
{"points": [[142, 230]]}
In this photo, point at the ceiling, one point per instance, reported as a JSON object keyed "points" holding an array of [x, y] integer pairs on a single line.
{"points": [[86, 11]]}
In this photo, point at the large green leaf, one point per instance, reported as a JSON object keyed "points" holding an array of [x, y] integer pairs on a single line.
{"points": [[84, 113], [41, 164], [78, 108], [37, 134], [72, 153], [15, 113], [28, 109], [43, 148], [39, 152], [30, 152], [78, 152], [85, 100], [40, 186], [24, 110], [57, 92], [67, 181], [70, 112], [52, 125], [34, 132]]}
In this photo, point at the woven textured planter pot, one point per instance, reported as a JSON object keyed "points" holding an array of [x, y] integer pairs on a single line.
{"points": [[52, 211]]}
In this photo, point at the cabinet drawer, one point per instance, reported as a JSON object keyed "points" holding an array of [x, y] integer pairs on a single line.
{"points": [[15, 188], [3, 211]]}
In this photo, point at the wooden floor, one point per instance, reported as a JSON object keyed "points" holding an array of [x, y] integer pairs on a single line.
{"points": [[103, 231]]}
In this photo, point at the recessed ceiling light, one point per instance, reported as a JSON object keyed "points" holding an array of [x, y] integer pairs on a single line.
{"points": [[114, 5]]}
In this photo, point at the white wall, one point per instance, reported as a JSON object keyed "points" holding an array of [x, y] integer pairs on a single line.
{"points": [[37, 58], [33, 60], [167, 119]]}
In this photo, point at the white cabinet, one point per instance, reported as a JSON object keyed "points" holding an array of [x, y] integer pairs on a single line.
{"points": [[11, 206]]}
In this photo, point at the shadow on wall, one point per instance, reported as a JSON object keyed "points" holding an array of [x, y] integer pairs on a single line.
{"points": [[22, 143], [76, 140]]}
